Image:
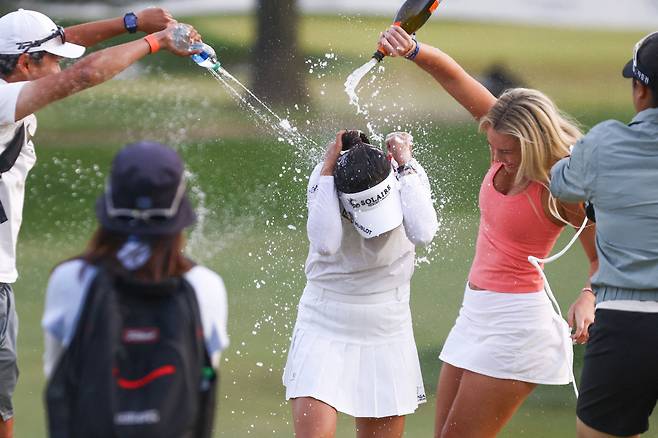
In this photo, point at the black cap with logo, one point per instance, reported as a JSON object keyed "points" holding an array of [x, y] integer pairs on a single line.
{"points": [[644, 65]]}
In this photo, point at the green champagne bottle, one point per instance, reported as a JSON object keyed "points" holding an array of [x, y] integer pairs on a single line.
{"points": [[411, 16]]}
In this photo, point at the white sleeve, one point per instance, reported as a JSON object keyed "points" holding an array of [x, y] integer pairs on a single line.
{"points": [[65, 295], [211, 296], [324, 226], [8, 97], [51, 354], [420, 220]]}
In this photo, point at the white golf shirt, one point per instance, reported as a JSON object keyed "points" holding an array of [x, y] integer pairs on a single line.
{"points": [[12, 183], [339, 259]]}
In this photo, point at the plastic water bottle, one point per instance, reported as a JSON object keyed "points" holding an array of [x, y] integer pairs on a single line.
{"points": [[207, 58], [411, 16]]}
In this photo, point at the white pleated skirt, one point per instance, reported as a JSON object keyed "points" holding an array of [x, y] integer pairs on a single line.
{"points": [[514, 336], [356, 353]]}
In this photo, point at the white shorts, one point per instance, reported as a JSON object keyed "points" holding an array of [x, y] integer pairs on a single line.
{"points": [[514, 336], [356, 353]]}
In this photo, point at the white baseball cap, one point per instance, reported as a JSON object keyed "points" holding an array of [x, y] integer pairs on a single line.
{"points": [[24, 31], [376, 210]]}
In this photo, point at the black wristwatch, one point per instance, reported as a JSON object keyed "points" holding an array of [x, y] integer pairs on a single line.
{"points": [[130, 22]]}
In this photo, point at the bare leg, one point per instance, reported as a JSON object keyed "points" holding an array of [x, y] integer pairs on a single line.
{"points": [[313, 418], [446, 391], [484, 405], [388, 427], [584, 431], [7, 428]]}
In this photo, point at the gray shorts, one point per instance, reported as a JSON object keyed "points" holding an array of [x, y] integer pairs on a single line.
{"points": [[8, 366]]}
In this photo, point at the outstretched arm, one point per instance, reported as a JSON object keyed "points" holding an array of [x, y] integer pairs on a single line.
{"points": [[149, 20], [471, 94], [91, 70]]}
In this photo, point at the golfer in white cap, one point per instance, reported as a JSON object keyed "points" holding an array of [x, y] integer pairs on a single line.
{"points": [[31, 47], [353, 348]]}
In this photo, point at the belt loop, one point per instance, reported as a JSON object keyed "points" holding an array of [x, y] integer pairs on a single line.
{"points": [[398, 293], [322, 293]]}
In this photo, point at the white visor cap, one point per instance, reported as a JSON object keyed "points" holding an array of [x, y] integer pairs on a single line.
{"points": [[376, 210], [21, 31]]}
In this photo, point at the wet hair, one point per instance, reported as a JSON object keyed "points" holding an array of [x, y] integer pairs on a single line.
{"points": [[8, 62], [543, 132], [363, 166], [352, 138], [167, 259]]}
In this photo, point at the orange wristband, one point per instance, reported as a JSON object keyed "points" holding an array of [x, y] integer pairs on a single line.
{"points": [[153, 43]]}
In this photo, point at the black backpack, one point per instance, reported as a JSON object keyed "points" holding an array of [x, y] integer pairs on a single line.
{"points": [[137, 365]]}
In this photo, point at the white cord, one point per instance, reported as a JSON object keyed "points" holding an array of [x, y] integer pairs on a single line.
{"points": [[568, 346]]}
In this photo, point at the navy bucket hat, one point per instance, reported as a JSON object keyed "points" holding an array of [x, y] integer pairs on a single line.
{"points": [[146, 193]]}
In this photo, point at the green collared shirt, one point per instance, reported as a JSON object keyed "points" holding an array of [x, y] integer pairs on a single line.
{"points": [[615, 166]]}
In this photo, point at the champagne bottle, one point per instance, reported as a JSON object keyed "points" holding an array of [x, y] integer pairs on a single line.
{"points": [[411, 16]]}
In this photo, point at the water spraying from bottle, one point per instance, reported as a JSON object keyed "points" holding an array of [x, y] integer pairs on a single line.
{"points": [[411, 16], [353, 81], [263, 112], [207, 58]]}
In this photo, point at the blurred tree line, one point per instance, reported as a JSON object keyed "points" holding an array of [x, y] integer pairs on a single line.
{"points": [[277, 64]]}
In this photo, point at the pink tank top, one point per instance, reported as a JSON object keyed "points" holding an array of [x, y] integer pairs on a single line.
{"points": [[511, 228]]}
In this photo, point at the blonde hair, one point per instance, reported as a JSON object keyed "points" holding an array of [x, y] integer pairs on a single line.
{"points": [[543, 131]]}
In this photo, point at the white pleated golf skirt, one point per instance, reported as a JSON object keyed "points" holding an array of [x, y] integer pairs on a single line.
{"points": [[356, 353], [514, 336]]}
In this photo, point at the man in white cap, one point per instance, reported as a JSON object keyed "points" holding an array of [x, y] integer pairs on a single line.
{"points": [[31, 47]]}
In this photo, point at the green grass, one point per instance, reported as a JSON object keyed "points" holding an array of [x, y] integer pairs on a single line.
{"points": [[252, 189], [238, 242]]}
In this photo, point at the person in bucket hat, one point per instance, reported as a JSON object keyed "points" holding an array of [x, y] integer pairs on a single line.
{"points": [[146, 193], [31, 48], [353, 348], [142, 215], [615, 167]]}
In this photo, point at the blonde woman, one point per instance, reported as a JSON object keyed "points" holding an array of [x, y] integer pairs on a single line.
{"points": [[507, 338]]}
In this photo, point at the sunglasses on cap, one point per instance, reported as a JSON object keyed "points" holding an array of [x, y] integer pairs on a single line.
{"points": [[27, 45], [637, 73], [146, 214]]}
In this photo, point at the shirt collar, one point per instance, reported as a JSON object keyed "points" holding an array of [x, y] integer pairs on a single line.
{"points": [[647, 115]]}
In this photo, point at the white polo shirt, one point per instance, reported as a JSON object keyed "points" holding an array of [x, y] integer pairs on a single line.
{"points": [[12, 183]]}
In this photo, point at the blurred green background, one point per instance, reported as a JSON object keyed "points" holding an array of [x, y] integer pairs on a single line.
{"points": [[249, 185]]}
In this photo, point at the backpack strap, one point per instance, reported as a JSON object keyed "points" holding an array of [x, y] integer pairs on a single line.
{"points": [[209, 375], [62, 385], [12, 150], [8, 158]]}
